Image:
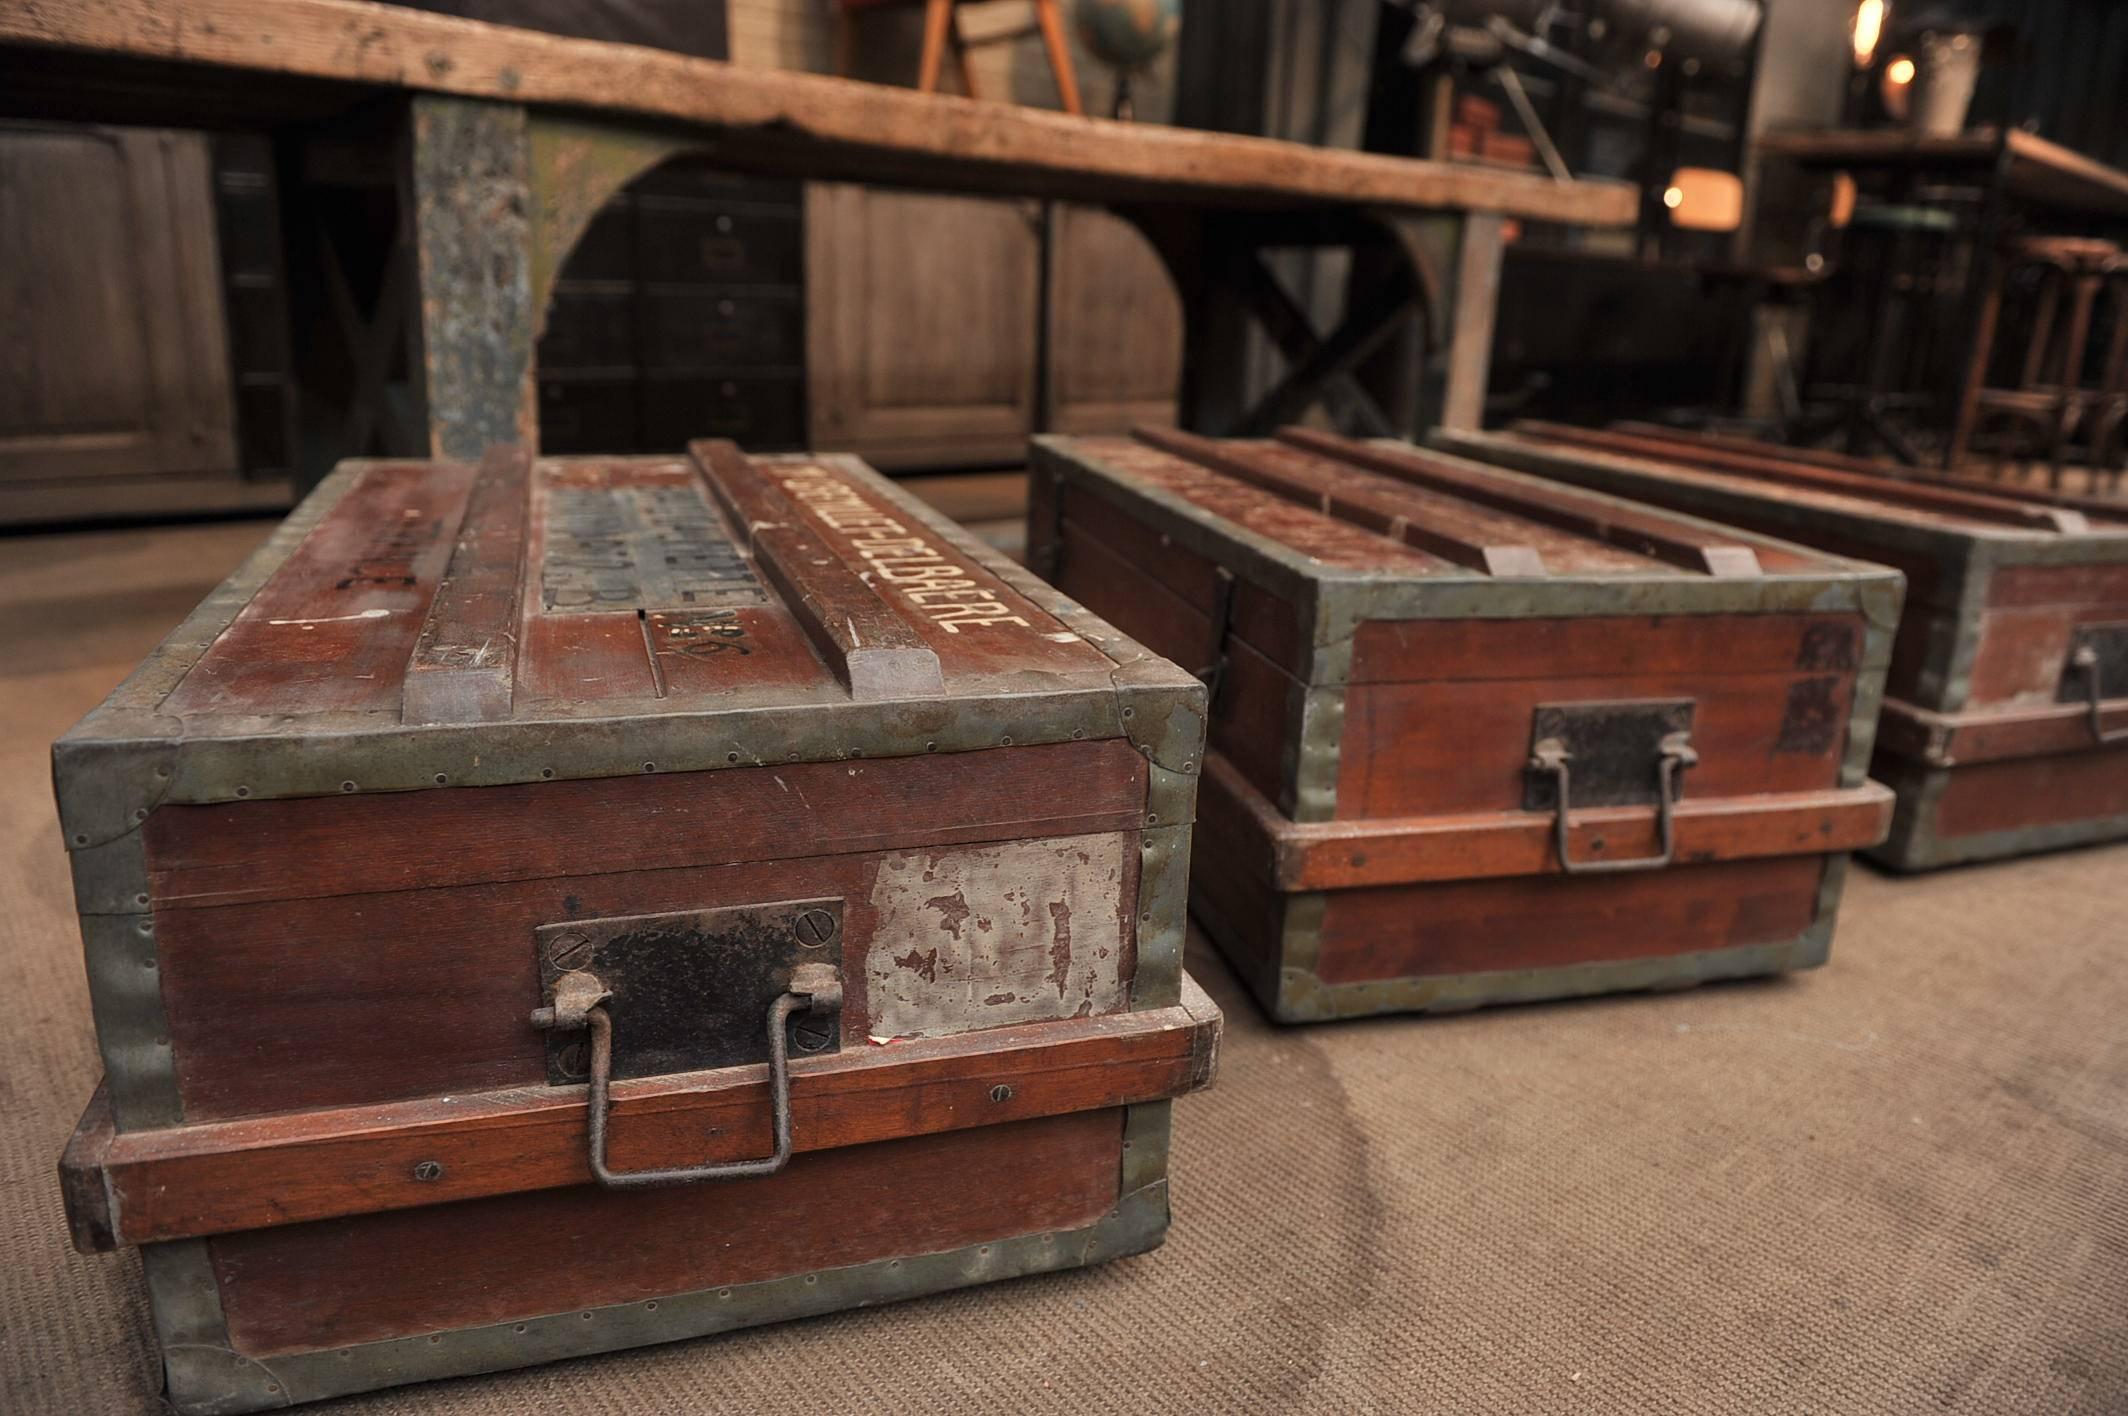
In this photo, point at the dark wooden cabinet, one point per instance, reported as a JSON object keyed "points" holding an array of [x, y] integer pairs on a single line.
{"points": [[680, 315]]}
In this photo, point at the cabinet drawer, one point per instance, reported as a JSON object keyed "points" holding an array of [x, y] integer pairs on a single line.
{"points": [[760, 414], [715, 330], [718, 243]]}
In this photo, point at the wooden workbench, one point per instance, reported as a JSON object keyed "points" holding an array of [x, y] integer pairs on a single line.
{"points": [[514, 139], [2031, 170]]}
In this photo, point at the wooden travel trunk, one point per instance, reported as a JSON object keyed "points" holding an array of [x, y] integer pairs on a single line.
{"points": [[2005, 724], [1476, 738], [495, 828]]}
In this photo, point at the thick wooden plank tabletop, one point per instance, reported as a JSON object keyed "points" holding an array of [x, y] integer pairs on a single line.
{"points": [[2042, 173], [801, 124]]}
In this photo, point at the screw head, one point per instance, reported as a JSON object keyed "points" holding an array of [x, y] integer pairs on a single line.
{"points": [[574, 1059], [571, 951], [812, 1034], [1001, 1092], [428, 1170], [816, 928]]}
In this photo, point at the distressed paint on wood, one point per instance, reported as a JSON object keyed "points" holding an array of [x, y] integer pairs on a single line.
{"points": [[464, 665], [471, 188], [334, 630], [1013, 933]]}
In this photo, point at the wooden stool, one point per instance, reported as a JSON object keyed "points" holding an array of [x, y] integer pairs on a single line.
{"points": [[2049, 397], [2107, 444], [942, 29]]}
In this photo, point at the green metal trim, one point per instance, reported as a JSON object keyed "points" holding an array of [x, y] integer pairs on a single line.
{"points": [[1585, 597], [205, 1376], [1312, 750], [1946, 677], [1880, 621], [201, 1372], [132, 1031], [1148, 1130], [1163, 916]]}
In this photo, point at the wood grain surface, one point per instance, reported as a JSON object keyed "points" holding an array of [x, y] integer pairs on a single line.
{"points": [[798, 124], [551, 1251]]}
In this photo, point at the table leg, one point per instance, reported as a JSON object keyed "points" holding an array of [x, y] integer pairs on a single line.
{"points": [[469, 179], [1981, 309], [1473, 300]]}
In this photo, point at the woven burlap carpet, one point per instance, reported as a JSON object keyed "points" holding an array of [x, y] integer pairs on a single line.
{"points": [[1897, 1184]]}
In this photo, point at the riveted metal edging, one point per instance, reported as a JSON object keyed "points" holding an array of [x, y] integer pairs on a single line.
{"points": [[205, 1376], [132, 1033], [1147, 1130], [1163, 916], [1291, 975], [1880, 605], [1312, 751]]}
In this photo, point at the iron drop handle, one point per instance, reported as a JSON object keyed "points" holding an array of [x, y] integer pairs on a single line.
{"points": [[579, 1003], [2085, 662], [1672, 758]]}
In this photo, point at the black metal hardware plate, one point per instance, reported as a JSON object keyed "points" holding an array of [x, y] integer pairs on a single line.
{"points": [[691, 990], [1614, 748], [2110, 643]]}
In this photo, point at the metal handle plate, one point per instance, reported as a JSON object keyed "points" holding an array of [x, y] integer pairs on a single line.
{"points": [[1673, 755], [579, 1002]]}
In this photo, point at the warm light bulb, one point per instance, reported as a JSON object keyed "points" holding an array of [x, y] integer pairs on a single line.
{"points": [[1900, 71], [1673, 198], [1869, 28]]}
